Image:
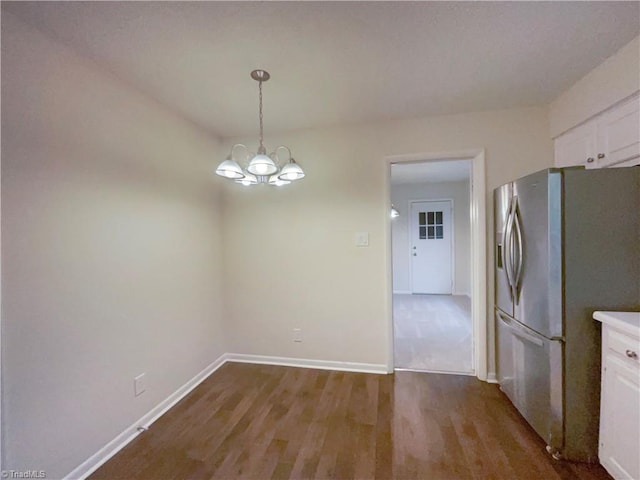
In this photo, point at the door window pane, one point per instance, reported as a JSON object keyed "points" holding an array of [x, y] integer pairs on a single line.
{"points": [[431, 225], [435, 222], [430, 217]]}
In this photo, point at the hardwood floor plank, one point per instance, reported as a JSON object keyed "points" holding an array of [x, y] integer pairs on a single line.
{"points": [[282, 471], [383, 428], [309, 451], [258, 422], [475, 453]]}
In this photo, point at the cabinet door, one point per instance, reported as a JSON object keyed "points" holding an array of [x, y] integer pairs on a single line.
{"points": [[577, 147], [620, 433], [619, 134]]}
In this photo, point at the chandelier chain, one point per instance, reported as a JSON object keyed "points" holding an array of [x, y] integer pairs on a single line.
{"points": [[260, 94]]}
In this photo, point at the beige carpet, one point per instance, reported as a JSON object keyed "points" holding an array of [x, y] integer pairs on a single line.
{"points": [[433, 332]]}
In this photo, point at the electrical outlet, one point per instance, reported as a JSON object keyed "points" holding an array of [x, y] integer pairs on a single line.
{"points": [[297, 335], [139, 384]]}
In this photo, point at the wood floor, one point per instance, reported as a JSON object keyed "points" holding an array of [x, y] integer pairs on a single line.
{"points": [[261, 422], [433, 333]]}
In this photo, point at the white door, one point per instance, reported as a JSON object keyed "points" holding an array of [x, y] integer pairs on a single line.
{"points": [[431, 247]]}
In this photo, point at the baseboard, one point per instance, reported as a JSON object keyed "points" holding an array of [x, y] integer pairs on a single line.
{"points": [[463, 294], [491, 377], [438, 372], [307, 363], [94, 462], [409, 292]]}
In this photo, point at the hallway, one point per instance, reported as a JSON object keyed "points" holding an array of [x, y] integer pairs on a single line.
{"points": [[433, 333]]}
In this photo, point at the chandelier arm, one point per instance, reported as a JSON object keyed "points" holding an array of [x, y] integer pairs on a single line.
{"points": [[246, 149], [286, 148]]}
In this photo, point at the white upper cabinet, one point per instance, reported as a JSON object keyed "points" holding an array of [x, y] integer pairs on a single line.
{"points": [[619, 133], [611, 138], [577, 146]]}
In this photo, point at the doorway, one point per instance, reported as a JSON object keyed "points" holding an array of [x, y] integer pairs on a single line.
{"points": [[431, 266]]}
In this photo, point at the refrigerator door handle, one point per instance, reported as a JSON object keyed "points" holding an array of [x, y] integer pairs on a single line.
{"points": [[519, 332], [529, 338], [505, 320], [518, 235], [507, 249]]}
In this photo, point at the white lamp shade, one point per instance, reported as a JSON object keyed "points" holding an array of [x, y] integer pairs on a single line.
{"points": [[248, 180], [262, 165], [291, 171], [276, 182], [394, 212], [230, 169]]}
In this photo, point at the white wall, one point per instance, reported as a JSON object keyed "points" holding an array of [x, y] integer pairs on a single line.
{"points": [[615, 79], [401, 195], [290, 259], [110, 253]]}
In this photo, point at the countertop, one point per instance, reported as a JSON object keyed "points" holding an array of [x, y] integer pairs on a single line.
{"points": [[628, 322]]}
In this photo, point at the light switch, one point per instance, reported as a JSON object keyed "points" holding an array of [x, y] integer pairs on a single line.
{"points": [[362, 239]]}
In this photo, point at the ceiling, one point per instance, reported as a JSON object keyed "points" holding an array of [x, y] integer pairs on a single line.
{"points": [[338, 62], [430, 172]]}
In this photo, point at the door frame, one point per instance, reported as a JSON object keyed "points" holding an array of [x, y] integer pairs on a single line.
{"points": [[452, 230], [478, 209]]}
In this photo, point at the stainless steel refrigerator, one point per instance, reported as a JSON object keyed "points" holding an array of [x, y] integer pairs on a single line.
{"points": [[567, 243]]}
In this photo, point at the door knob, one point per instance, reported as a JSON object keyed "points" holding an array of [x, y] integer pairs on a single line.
{"points": [[631, 354], [415, 254]]}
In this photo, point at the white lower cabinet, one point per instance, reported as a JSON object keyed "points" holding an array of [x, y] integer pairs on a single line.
{"points": [[619, 450]]}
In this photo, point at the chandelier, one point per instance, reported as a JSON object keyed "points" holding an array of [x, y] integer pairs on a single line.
{"points": [[260, 167]]}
